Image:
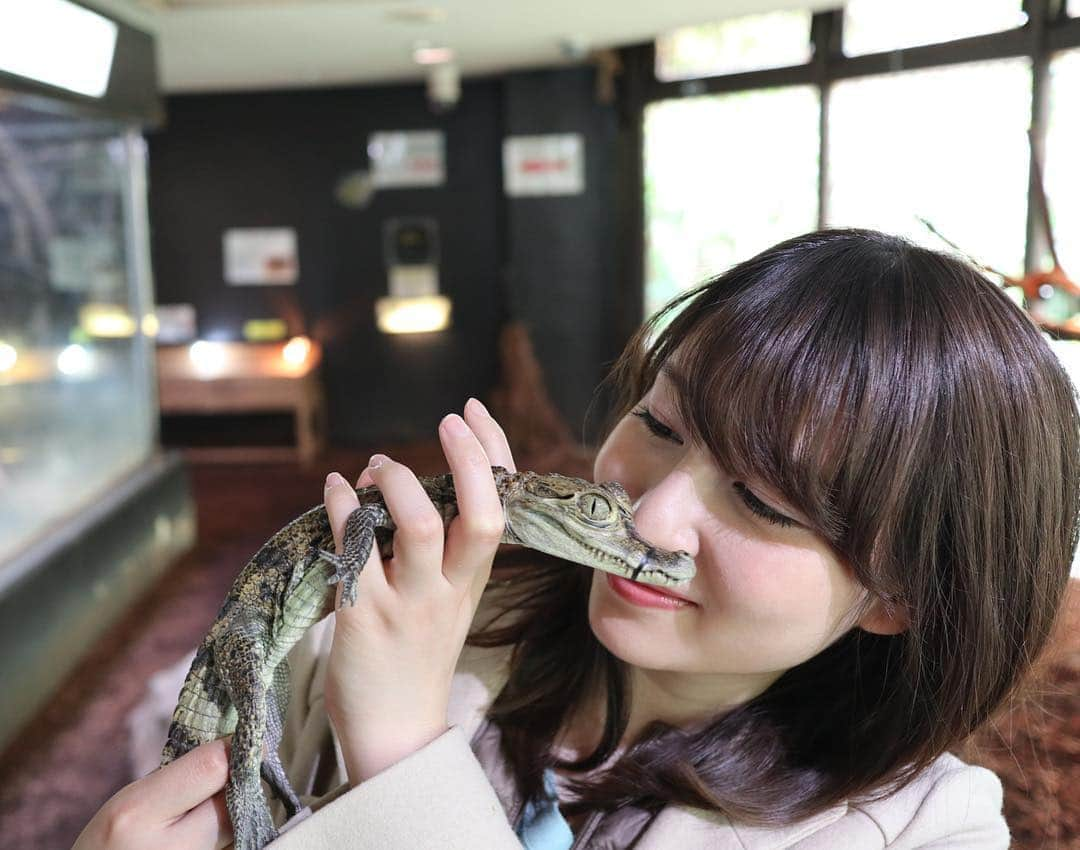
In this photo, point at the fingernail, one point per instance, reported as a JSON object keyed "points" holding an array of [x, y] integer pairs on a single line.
{"points": [[334, 480], [377, 461], [480, 405], [455, 424]]}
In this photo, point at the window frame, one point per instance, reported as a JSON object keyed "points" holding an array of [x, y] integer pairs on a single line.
{"points": [[1048, 30]]}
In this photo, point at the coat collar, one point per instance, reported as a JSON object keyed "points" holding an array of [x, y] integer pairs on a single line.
{"points": [[674, 826], [696, 829]]}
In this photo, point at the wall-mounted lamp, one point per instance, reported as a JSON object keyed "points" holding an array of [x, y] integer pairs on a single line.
{"points": [[414, 305], [414, 314]]}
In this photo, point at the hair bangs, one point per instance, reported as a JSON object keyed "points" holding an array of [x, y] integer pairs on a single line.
{"points": [[793, 381]]}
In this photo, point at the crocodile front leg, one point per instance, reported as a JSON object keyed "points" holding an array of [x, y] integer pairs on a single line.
{"points": [[241, 658], [356, 543]]}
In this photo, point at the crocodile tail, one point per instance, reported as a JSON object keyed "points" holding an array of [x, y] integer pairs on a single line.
{"points": [[179, 741], [202, 710]]}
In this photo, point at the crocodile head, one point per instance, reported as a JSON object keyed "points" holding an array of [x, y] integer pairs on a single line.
{"points": [[590, 524]]}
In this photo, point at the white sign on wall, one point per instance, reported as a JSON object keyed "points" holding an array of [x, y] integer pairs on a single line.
{"points": [[260, 256], [176, 323], [544, 165], [406, 159]]}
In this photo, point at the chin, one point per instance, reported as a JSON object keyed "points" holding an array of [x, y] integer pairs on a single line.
{"points": [[632, 636]]}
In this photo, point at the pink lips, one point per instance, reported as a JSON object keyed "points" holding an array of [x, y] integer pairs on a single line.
{"points": [[644, 595]]}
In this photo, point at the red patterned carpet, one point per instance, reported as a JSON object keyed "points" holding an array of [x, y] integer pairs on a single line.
{"points": [[73, 756]]}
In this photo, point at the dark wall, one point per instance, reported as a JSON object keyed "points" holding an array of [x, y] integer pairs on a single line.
{"points": [[561, 263], [273, 159]]}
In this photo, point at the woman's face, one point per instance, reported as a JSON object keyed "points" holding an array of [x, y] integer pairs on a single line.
{"points": [[765, 597]]}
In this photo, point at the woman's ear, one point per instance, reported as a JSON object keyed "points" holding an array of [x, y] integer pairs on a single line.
{"points": [[885, 619]]}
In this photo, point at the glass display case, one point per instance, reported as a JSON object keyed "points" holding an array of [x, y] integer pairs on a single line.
{"points": [[77, 407], [91, 511]]}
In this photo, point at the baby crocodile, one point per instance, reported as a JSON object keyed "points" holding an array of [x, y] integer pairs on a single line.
{"points": [[238, 681]]}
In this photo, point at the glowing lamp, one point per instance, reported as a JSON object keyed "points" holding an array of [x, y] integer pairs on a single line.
{"points": [[420, 314], [208, 358], [8, 357], [296, 351], [74, 361], [106, 320]]}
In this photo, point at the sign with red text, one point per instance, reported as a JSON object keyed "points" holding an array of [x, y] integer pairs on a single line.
{"points": [[407, 159], [544, 165]]}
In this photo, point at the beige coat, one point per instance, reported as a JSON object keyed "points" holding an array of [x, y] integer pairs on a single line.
{"points": [[455, 794]]}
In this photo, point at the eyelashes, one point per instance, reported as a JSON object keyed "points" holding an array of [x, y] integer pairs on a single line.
{"points": [[656, 427], [756, 506]]}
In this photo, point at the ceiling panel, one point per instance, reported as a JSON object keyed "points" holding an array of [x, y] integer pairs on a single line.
{"points": [[229, 45]]}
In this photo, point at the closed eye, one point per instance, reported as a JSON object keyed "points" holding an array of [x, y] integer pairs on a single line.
{"points": [[756, 506], [760, 508], [656, 427]]}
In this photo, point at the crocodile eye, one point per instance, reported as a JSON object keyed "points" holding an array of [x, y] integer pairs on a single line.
{"points": [[595, 507]]}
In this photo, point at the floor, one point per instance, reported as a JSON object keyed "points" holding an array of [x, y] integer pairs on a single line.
{"points": [[70, 759]]}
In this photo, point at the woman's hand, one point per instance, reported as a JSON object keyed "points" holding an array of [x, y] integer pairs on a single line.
{"points": [[394, 652], [180, 806]]}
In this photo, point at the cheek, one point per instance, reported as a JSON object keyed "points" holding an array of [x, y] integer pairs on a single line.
{"points": [[782, 604]]}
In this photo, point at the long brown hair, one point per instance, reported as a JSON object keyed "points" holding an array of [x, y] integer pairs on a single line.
{"points": [[917, 417]]}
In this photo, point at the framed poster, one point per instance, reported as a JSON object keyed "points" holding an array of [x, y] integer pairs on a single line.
{"points": [[263, 256], [407, 159], [544, 165]]}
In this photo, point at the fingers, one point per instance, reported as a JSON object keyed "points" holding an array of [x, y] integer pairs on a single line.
{"points": [[418, 538], [475, 532], [340, 500], [207, 825], [490, 434], [182, 785], [471, 448]]}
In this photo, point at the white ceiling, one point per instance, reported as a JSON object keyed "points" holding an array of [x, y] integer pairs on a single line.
{"points": [[229, 45]]}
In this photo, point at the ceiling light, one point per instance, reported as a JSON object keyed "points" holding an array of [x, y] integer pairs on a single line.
{"points": [[57, 43], [426, 54]]}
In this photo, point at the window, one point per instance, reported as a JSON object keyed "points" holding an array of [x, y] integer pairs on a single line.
{"points": [[1074, 8], [874, 26], [773, 40], [948, 144], [1062, 169], [726, 176]]}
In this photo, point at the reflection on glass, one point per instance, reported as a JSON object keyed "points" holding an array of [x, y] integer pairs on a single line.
{"points": [[873, 26], [726, 176], [75, 400], [1062, 161], [773, 40], [947, 144]]}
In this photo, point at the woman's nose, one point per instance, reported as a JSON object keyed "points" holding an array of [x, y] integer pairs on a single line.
{"points": [[665, 514]]}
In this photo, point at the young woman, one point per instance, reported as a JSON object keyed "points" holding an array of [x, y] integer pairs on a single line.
{"points": [[872, 455]]}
